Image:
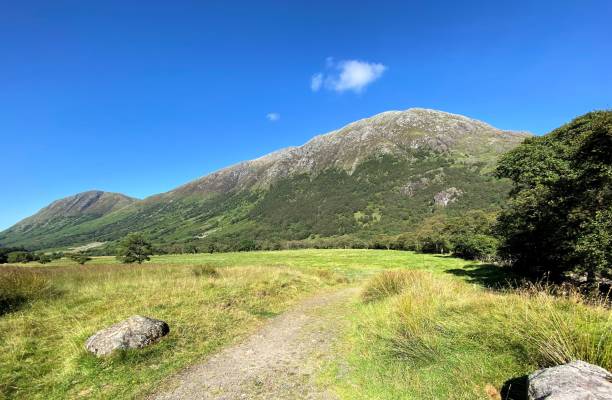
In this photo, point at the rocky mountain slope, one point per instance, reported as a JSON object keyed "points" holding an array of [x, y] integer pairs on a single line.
{"points": [[382, 174], [395, 133]]}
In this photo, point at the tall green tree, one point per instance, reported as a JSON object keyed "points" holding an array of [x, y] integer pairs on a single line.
{"points": [[559, 218], [134, 248]]}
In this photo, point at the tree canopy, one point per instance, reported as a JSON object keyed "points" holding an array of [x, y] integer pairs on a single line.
{"points": [[559, 218]]}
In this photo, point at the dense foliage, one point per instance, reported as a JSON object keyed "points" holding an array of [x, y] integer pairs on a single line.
{"points": [[559, 219], [79, 258], [134, 248]]}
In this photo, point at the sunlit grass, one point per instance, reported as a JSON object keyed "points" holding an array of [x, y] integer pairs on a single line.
{"points": [[42, 354], [437, 337]]}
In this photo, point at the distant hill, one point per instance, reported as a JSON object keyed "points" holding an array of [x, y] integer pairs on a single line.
{"points": [[63, 214], [383, 174]]}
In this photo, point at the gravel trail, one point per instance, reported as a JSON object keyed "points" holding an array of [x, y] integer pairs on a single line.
{"points": [[279, 361]]}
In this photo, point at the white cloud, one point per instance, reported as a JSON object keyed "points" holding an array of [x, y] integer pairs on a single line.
{"points": [[316, 82], [346, 75], [273, 116]]}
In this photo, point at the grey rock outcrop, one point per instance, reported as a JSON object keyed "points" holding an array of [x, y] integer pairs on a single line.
{"points": [[576, 380], [448, 196], [133, 333]]}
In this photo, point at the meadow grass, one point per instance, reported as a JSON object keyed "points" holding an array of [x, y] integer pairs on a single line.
{"points": [[426, 326], [419, 335], [209, 300], [41, 343]]}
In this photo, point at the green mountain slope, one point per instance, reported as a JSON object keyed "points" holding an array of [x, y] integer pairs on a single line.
{"points": [[62, 215], [383, 174]]}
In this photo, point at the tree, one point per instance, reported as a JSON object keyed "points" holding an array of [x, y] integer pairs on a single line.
{"points": [[559, 218], [475, 247], [79, 258], [134, 248], [19, 257]]}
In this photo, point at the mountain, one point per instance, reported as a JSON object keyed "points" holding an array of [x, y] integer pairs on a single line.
{"points": [[383, 174], [65, 213]]}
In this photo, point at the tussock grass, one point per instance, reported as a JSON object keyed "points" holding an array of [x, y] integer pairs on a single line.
{"points": [[19, 287], [439, 337], [560, 326], [205, 270], [389, 283]]}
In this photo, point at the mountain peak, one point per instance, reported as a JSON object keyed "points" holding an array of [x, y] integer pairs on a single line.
{"points": [[90, 204], [397, 133]]}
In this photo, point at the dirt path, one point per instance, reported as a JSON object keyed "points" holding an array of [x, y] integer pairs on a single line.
{"points": [[280, 361]]}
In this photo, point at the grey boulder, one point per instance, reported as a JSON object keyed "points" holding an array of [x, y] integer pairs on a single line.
{"points": [[133, 333], [576, 380]]}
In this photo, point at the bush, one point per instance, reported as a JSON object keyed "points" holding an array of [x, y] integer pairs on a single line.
{"points": [[19, 257], [476, 247], [44, 259], [435, 244], [20, 286], [79, 258]]}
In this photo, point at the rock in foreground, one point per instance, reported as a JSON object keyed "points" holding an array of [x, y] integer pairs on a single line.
{"points": [[133, 333], [576, 380]]}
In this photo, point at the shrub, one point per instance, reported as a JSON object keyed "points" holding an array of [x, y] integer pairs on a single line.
{"points": [[44, 259], [19, 257], [79, 258], [435, 244], [20, 286]]}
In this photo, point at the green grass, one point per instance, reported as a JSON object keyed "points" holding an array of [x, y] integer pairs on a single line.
{"points": [[354, 262], [41, 344], [426, 328], [209, 300], [419, 335]]}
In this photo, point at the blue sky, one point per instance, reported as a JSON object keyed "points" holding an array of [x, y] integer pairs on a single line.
{"points": [[139, 97]]}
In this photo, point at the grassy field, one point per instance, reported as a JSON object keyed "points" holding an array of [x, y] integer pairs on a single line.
{"points": [[429, 331], [420, 335]]}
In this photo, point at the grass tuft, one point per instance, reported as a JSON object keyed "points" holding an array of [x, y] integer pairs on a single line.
{"points": [[388, 283], [19, 287], [205, 271], [432, 336]]}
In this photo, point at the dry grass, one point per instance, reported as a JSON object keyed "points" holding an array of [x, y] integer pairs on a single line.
{"points": [[42, 354]]}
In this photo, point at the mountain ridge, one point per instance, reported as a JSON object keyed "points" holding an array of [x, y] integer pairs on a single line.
{"points": [[379, 160], [299, 154]]}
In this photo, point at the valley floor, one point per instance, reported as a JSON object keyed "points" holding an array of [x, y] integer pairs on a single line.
{"points": [[346, 324]]}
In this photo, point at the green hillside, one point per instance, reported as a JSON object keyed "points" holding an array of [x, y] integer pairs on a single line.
{"points": [[384, 174]]}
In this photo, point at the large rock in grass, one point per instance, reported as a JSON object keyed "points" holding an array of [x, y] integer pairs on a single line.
{"points": [[133, 333], [576, 380]]}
